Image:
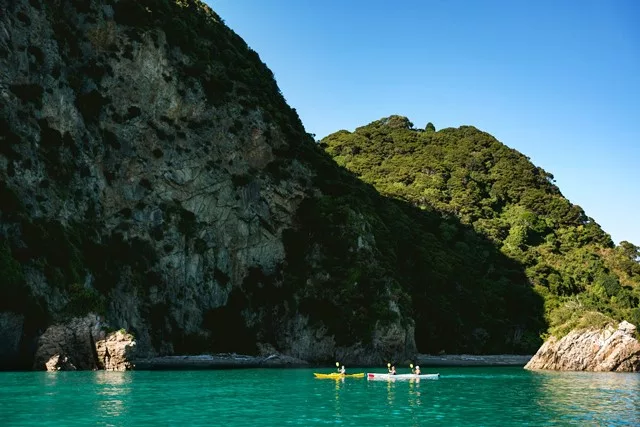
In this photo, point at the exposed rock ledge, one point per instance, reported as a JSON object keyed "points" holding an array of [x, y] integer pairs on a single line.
{"points": [[218, 361], [82, 344], [473, 360], [607, 349], [277, 360]]}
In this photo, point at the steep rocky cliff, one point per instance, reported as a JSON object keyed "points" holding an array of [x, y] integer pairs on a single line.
{"points": [[606, 349], [151, 171]]}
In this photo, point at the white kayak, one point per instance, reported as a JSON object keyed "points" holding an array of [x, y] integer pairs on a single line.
{"points": [[377, 376]]}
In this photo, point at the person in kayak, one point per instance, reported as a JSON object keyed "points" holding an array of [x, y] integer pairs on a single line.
{"points": [[392, 370], [342, 370], [416, 370]]}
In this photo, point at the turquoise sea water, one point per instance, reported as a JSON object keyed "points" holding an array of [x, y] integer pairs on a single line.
{"points": [[276, 397]]}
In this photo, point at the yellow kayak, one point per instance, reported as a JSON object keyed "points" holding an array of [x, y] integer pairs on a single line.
{"points": [[337, 375]]}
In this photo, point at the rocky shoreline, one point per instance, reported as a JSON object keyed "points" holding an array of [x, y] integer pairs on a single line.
{"points": [[606, 349], [217, 361], [473, 360], [238, 361]]}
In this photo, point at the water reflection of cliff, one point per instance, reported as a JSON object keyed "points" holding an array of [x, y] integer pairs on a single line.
{"points": [[592, 398]]}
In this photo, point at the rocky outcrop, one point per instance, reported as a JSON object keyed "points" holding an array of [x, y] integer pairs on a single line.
{"points": [[116, 351], [70, 345], [607, 349], [82, 344], [59, 362]]}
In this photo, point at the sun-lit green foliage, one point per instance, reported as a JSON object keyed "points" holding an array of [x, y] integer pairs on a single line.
{"points": [[498, 193]]}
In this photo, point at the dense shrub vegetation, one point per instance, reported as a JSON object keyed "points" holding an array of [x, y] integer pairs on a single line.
{"points": [[498, 193]]}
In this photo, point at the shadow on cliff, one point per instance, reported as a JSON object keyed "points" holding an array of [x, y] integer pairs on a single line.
{"points": [[356, 250]]}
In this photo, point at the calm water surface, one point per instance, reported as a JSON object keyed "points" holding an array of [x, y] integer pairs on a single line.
{"points": [[275, 397]]}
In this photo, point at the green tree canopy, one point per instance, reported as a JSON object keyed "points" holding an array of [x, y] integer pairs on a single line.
{"points": [[467, 174]]}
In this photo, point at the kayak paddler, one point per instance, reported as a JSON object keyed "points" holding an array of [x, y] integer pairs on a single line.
{"points": [[341, 370], [392, 369]]}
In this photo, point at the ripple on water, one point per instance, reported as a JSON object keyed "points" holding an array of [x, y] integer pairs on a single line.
{"points": [[462, 396]]}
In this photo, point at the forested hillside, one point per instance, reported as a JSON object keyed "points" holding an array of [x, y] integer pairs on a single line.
{"points": [[468, 175]]}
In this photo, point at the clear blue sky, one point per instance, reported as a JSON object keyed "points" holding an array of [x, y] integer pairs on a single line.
{"points": [[558, 80]]}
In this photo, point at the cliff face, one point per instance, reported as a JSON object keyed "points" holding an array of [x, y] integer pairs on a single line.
{"points": [[151, 171], [607, 349]]}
